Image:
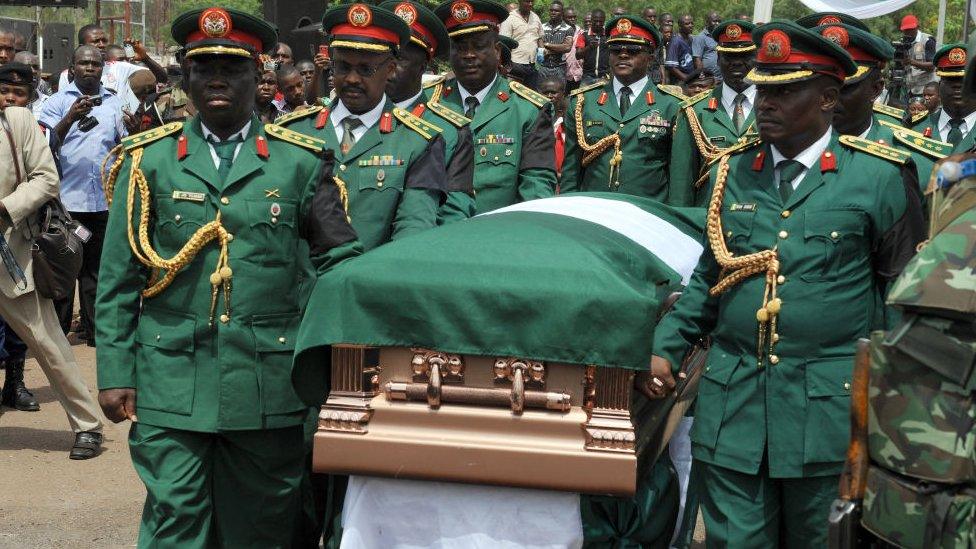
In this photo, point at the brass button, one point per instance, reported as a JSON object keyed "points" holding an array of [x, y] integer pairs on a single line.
{"points": [[224, 318], [342, 167], [379, 183], [773, 359], [282, 340], [224, 200], [783, 234], [230, 237], [847, 385], [496, 158], [728, 234], [785, 214], [775, 338], [158, 337], [834, 234], [177, 217], [621, 125], [780, 279], [274, 220]]}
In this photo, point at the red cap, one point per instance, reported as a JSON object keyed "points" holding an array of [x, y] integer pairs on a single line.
{"points": [[909, 22]]}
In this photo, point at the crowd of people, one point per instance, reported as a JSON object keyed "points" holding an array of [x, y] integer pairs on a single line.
{"points": [[464, 109]]}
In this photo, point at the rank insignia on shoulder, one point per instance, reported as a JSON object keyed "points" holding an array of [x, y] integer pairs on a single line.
{"points": [[144, 138], [448, 114], [697, 98], [875, 149], [926, 145], [889, 111], [673, 90], [426, 130], [435, 81], [528, 94], [919, 117], [293, 137], [588, 87], [297, 115]]}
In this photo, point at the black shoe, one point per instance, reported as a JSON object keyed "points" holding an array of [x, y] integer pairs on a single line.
{"points": [[88, 444], [15, 394]]}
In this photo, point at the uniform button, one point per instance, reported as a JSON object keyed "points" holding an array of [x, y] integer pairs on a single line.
{"points": [[780, 279], [775, 338], [177, 217], [230, 237], [342, 167], [379, 183], [773, 359], [621, 125], [847, 385], [728, 234], [834, 235], [282, 340], [785, 214], [496, 158], [224, 200], [224, 318], [158, 337], [274, 220], [783, 234]]}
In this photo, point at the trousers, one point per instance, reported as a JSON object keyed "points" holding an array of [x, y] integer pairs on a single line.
{"points": [[88, 276]]}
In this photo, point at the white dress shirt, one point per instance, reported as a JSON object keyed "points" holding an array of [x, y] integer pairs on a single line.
{"points": [[864, 134], [407, 103], [944, 118], [808, 157], [635, 89], [242, 135], [728, 101], [480, 96], [368, 118]]}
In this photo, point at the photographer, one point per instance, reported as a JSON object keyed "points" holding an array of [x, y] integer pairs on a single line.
{"points": [[89, 121], [591, 47], [919, 52]]}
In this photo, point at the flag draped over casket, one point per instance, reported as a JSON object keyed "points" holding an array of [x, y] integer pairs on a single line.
{"points": [[577, 279]]}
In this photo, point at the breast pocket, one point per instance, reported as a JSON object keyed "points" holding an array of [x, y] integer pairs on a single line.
{"points": [[381, 179], [177, 220], [738, 230], [273, 233], [827, 429], [835, 242], [495, 165]]}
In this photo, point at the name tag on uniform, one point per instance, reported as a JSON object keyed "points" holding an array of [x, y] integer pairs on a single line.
{"points": [[594, 123], [717, 139], [736, 207], [186, 195]]}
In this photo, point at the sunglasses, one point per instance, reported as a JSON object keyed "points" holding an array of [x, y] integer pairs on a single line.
{"points": [[628, 49]]}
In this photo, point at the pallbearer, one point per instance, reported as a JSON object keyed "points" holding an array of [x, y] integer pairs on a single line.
{"points": [[955, 121]]}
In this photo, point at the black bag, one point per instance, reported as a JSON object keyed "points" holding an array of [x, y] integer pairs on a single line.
{"points": [[57, 247]]}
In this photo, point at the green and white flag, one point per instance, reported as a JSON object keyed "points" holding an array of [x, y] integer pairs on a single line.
{"points": [[577, 278]]}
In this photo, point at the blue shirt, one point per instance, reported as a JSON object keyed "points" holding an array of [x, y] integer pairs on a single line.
{"points": [[679, 55], [82, 153]]}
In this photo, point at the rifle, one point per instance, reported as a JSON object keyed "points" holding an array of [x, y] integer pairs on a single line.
{"points": [[844, 530]]}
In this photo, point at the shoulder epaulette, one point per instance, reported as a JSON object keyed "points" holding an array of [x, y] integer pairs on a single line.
{"points": [[449, 114], [926, 145], [144, 138], [889, 111], [593, 86], [696, 98], [294, 137], [528, 94], [419, 125], [875, 149], [744, 144], [894, 125], [435, 81], [919, 117], [673, 90], [297, 115]]}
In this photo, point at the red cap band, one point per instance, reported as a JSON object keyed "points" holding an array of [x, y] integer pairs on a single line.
{"points": [[234, 35], [372, 31]]}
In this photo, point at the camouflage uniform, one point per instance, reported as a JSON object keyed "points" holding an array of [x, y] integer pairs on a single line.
{"points": [[921, 486]]}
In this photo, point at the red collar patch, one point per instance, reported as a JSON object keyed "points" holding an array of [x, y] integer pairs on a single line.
{"points": [[757, 163], [828, 162]]}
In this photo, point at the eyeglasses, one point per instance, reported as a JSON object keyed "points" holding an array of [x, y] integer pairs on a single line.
{"points": [[628, 49], [342, 68]]}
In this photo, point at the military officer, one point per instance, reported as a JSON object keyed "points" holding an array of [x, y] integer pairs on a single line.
{"points": [[429, 41], [188, 340], [715, 120], [618, 132], [514, 147], [390, 161], [955, 121], [801, 245], [821, 18]]}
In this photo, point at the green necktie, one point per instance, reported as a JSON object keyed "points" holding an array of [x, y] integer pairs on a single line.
{"points": [[955, 131], [788, 171], [470, 106], [624, 100], [349, 124], [225, 152], [738, 113]]}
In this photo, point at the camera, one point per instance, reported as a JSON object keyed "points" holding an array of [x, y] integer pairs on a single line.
{"points": [[87, 123], [96, 100]]}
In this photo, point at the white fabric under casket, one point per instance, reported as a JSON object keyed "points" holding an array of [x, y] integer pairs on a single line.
{"points": [[408, 514]]}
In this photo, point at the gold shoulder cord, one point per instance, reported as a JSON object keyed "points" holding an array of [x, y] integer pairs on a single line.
{"points": [[220, 279], [737, 269], [596, 149]]}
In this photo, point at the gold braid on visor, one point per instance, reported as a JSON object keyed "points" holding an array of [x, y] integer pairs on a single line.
{"points": [[219, 50], [469, 30]]}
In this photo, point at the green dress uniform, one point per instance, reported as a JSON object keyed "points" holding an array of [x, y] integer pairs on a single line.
{"points": [[771, 423], [950, 62], [704, 128], [511, 128], [610, 150], [218, 443]]}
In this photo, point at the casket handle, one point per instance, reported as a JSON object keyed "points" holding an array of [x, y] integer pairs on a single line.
{"points": [[518, 388], [434, 385]]}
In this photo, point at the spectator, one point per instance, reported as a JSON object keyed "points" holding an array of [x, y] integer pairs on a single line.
{"points": [[115, 52], [587, 21], [115, 74], [88, 120], [678, 62], [7, 49], [20, 42], [557, 40], [525, 27], [291, 85], [698, 81], [574, 67], [916, 107], [511, 6], [38, 97], [282, 55], [307, 69], [930, 96], [264, 105], [650, 15], [703, 52], [592, 49], [667, 19], [554, 88], [152, 104], [27, 182], [919, 57]]}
